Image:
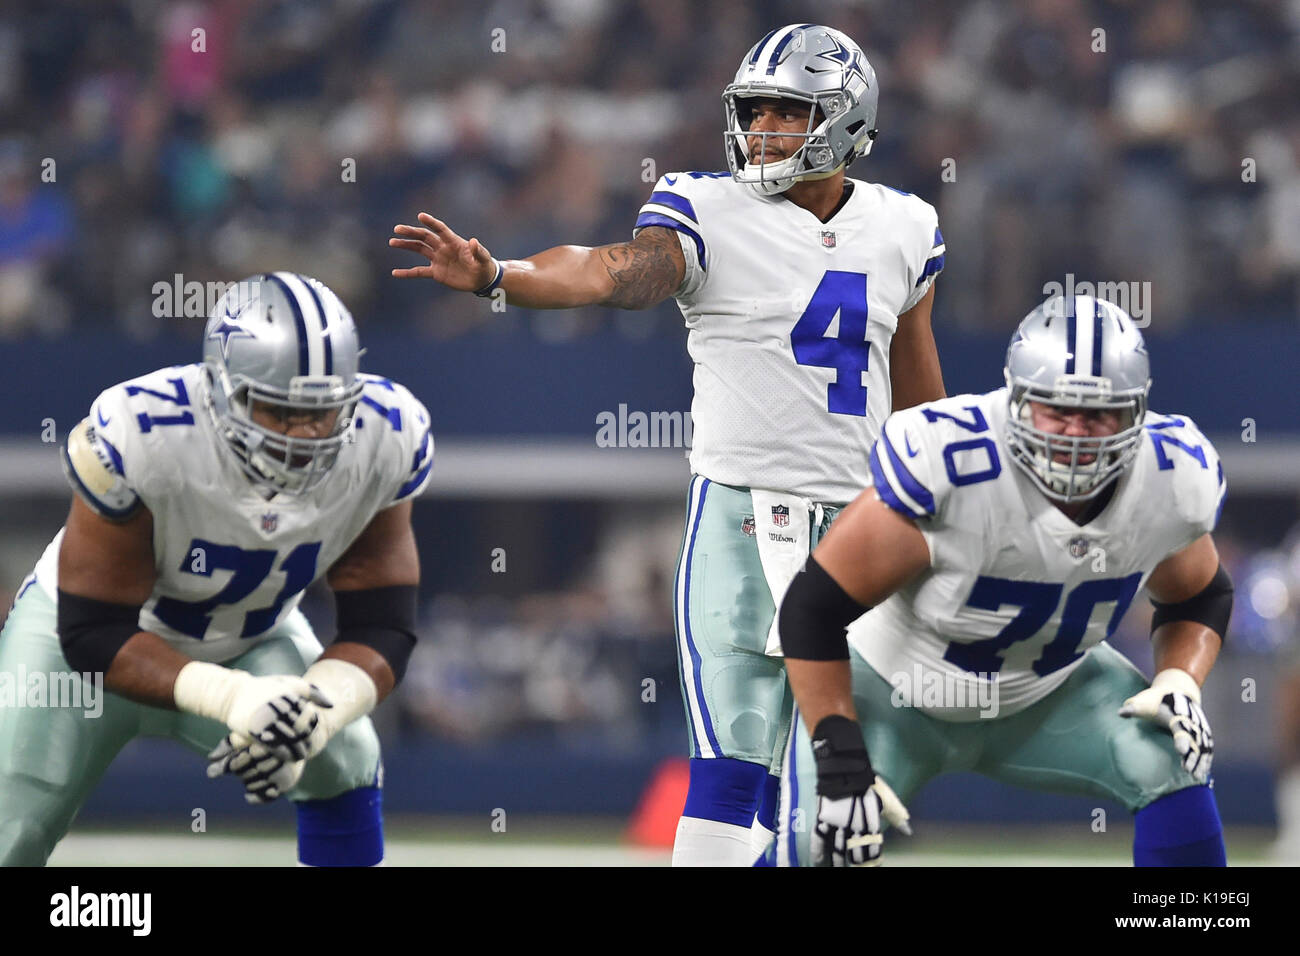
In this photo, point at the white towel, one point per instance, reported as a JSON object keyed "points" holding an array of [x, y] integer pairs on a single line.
{"points": [[782, 528]]}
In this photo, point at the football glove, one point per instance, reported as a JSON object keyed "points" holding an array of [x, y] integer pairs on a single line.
{"points": [[1174, 702], [279, 711], [265, 776], [851, 799]]}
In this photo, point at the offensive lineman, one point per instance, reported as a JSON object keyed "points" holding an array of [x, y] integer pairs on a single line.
{"points": [[208, 497], [1004, 538], [807, 297]]}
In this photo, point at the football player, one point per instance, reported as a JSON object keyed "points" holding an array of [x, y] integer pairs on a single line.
{"points": [[1004, 538], [208, 497], [807, 297]]}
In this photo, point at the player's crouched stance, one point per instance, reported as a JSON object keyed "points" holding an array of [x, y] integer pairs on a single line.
{"points": [[1004, 538], [208, 498]]}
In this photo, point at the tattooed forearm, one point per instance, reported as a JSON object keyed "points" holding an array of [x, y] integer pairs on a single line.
{"points": [[646, 270]]}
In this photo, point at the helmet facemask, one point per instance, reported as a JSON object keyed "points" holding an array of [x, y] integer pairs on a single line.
{"points": [[281, 463], [817, 156], [1036, 451]]}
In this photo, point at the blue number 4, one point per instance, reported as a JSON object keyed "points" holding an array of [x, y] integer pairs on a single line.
{"points": [[1037, 601], [250, 568], [845, 294]]}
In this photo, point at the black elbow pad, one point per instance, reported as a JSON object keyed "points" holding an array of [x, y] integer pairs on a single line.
{"points": [[91, 632], [814, 615], [382, 619], [1212, 606]]}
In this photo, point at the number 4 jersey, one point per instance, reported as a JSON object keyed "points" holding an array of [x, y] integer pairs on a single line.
{"points": [[790, 321], [231, 564], [1017, 592]]}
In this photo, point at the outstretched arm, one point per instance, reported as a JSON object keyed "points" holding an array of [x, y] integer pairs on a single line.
{"points": [[627, 275]]}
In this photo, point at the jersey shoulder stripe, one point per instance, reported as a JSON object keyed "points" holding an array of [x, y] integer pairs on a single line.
{"points": [[894, 481]]}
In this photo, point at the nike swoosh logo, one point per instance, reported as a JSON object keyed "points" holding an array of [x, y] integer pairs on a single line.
{"points": [[100, 416], [907, 443], [671, 180]]}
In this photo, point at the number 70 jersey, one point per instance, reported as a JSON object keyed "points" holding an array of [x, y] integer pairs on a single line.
{"points": [[230, 564], [1016, 591], [789, 325]]}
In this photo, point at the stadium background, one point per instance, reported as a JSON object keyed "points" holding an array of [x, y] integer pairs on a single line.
{"points": [[1171, 157]]}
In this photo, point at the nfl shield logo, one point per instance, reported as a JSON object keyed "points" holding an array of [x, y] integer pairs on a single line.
{"points": [[269, 521], [747, 526], [1078, 548], [780, 515], [828, 239]]}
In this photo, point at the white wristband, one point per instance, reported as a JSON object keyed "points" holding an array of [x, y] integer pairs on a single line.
{"points": [[1177, 679], [207, 689], [349, 688]]}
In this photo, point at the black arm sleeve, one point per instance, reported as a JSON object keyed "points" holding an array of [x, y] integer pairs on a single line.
{"points": [[91, 632], [1212, 606], [814, 615], [383, 619]]}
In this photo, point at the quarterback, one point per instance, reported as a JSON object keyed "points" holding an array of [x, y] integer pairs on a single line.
{"points": [[807, 299], [1004, 537], [207, 498]]}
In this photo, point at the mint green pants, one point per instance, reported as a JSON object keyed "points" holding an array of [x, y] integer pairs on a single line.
{"points": [[738, 704], [1072, 741], [51, 757]]}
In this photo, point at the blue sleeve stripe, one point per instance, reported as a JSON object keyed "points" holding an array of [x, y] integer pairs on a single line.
{"points": [[886, 493], [674, 201], [112, 453], [659, 219], [932, 267], [938, 236], [415, 482], [914, 489]]}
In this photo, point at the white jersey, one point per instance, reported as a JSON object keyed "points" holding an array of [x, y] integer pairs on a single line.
{"points": [[230, 564], [1016, 589], [790, 321]]}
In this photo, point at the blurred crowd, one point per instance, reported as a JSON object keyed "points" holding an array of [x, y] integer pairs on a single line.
{"points": [[1131, 140]]}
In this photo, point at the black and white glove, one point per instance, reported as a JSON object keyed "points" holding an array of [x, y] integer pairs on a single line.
{"points": [[265, 776], [282, 712], [1174, 702], [851, 799]]}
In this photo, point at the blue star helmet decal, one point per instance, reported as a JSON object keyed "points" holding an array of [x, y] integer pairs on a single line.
{"points": [[229, 327]]}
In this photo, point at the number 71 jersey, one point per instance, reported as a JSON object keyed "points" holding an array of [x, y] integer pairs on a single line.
{"points": [[789, 325], [1016, 591], [230, 564]]}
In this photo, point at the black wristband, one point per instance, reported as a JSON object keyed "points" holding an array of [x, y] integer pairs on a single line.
{"points": [[382, 619], [488, 289], [91, 632], [843, 767]]}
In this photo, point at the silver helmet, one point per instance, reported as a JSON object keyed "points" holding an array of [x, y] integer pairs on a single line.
{"points": [[285, 342], [814, 65], [1077, 352]]}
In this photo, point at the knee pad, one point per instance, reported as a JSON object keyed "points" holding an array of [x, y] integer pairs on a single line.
{"points": [[347, 830], [725, 790], [1179, 829]]}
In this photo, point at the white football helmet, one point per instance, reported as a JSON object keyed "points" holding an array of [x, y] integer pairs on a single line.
{"points": [[286, 342], [1080, 352], [814, 65]]}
